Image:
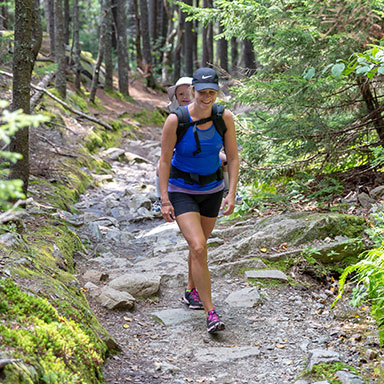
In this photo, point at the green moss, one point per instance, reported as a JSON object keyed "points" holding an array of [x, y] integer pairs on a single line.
{"points": [[327, 371], [146, 117], [120, 96], [78, 101], [57, 348], [99, 138]]}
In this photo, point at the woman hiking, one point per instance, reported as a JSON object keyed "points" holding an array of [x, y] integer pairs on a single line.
{"points": [[191, 184]]}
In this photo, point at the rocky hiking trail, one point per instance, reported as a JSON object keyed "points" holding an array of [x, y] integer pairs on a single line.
{"points": [[135, 271]]}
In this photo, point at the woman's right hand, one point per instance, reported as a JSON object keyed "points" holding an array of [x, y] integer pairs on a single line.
{"points": [[168, 212]]}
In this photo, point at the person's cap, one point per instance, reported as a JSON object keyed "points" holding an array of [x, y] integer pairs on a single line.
{"points": [[205, 78], [181, 81]]}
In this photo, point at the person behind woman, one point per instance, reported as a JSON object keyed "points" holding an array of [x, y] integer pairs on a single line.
{"points": [[191, 187], [179, 95]]}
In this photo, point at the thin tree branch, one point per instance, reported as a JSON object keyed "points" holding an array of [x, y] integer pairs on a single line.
{"points": [[75, 111]]}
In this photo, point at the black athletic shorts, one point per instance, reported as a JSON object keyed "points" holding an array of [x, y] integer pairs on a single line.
{"points": [[207, 205]]}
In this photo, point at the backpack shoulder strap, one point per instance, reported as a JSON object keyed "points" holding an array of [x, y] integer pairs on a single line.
{"points": [[183, 121], [217, 117]]}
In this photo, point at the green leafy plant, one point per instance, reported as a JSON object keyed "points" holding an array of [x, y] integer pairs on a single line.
{"points": [[10, 123], [368, 277]]}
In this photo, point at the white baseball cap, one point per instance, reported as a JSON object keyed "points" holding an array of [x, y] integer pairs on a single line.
{"points": [[181, 81]]}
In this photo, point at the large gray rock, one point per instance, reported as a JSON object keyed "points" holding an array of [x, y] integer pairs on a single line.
{"points": [[137, 284], [266, 274], [348, 377], [319, 356], [112, 299], [223, 354], [377, 193], [234, 267], [245, 298], [174, 317], [294, 229]]}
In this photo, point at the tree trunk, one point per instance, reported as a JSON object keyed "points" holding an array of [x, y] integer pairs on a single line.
{"points": [[234, 55], [210, 37], [167, 51], [76, 41], [195, 34], [223, 50], [179, 45], [67, 20], [205, 57], [188, 47], [139, 56], [22, 70], [373, 107], [165, 16], [37, 30], [249, 58], [152, 13], [51, 26], [108, 86], [3, 17], [60, 57], [96, 70], [145, 34], [122, 52]]}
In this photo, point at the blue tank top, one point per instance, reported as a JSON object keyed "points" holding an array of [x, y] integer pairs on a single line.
{"points": [[204, 163]]}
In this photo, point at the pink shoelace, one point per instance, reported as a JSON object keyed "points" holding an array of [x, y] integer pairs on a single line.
{"points": [[195, 294]]}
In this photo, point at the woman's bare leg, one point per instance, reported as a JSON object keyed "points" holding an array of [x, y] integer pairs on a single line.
{"points": [[196, 229]]}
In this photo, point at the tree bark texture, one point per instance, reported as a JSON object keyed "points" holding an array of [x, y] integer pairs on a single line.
{"points": [[223, 51], [249, 58], [67, 22], [60, 56], [167, 51], [178, 48], [22, 70], [188, 45], [153, 10], [96, 69], [108, 61], [146, 42], [139, 55], [195, 34], [51, 26], [373, 107], [37, 30], [122, 52], [76, 41], [234, 54]]}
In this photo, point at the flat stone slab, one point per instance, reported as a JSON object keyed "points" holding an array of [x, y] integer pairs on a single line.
{"points": [[244, 298], [173, 317], [266, 274], [223, 354]]}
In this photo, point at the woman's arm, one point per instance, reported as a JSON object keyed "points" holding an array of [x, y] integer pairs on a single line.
{"points": [[168, 142], [230, 146]]}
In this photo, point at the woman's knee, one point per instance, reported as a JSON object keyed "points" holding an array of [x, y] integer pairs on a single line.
{"points": [[198, 249]]}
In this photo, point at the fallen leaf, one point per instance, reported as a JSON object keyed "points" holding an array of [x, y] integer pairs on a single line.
{"points": [[126, 326], [263, 250]]}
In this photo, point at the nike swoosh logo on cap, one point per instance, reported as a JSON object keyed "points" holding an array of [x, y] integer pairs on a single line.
{"points": [[206, 77]]}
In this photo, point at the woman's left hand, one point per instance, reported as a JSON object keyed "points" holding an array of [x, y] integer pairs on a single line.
{"points": [[228, 205], [168, 212]]}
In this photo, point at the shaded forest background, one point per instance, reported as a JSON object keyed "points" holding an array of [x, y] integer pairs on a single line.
{"points": [[307, 76], [308, 73]]}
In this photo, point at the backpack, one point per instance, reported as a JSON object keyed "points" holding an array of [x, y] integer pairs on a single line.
{"points": [[184, 123], [182, 127]]}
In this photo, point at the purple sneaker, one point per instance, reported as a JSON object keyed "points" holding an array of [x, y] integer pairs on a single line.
{"points": [[214, 324], [192, 299]]}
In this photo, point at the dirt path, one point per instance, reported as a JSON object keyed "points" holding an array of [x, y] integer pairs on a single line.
{"points": [[162, 341]]}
